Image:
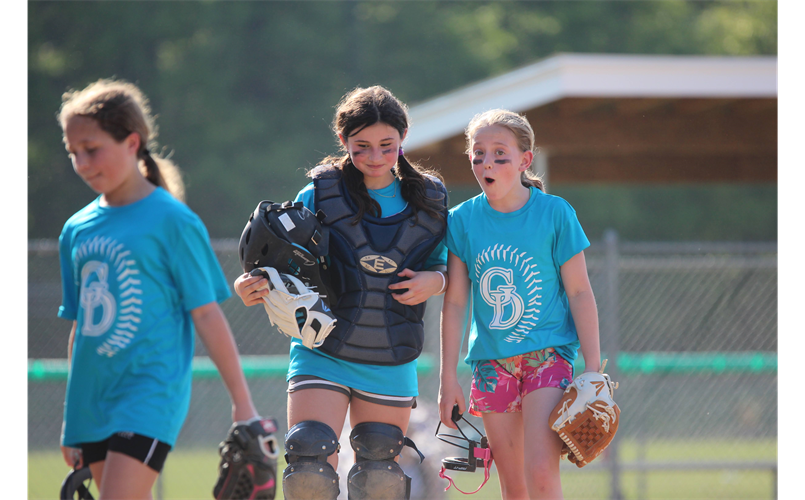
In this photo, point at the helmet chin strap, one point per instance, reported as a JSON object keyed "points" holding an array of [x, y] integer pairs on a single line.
{"points": [[478, 453], [487, 458]]}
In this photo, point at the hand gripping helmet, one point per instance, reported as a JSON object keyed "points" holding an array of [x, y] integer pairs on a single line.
{"points": [[290, 238]]}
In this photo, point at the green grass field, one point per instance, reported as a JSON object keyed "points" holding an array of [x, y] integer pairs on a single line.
{"points": [[190, 474]]}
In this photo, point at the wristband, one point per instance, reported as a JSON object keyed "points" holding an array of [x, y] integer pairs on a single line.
{"points": [[444, 283]]}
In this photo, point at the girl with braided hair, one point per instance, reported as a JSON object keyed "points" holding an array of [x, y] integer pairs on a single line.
{"points": [[386, 220], [138, 276]]}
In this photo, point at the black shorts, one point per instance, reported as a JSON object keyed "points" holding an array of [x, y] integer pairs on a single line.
{"points": [[147, 450], [301, 382]]}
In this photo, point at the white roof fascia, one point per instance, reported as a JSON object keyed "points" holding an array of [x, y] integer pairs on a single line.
{"points": [[593, 75]]}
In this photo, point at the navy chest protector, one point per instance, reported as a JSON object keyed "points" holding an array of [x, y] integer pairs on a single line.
{"points": [[365, 258]]}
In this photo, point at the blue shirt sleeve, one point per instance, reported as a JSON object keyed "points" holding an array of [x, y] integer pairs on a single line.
{"points": [[456, 237], [195, 269], [308, 197], [438, 257], [69, 305], [570, 237]]}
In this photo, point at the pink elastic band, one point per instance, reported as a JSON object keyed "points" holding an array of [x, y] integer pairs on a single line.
{"points": [[486, 455]]}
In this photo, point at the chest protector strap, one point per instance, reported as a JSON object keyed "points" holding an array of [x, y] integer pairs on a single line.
{"points": [[372, 327]]}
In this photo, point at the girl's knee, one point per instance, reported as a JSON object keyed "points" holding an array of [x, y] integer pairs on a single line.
{"points": [[542, 467], [513, 488]]}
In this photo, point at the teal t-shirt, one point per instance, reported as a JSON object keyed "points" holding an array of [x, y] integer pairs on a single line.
{"points": [[399, 380], [519, 304], [130, 277]]}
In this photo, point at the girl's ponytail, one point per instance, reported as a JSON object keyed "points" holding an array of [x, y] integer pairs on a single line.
{"points": [[413, 188], [162, 172], [530, 179]]}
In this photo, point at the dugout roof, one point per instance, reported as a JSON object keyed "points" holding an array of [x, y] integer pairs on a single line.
{"points": [[620, 119]]}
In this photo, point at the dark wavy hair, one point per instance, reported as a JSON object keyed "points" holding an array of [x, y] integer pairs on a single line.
{"points": [[361, 108]]}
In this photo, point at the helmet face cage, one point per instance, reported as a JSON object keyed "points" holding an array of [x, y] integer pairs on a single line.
{"points": [[478, 454], [471, 462]]}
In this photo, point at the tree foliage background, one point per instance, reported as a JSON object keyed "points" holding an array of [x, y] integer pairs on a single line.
{"points": [[245, 91]]}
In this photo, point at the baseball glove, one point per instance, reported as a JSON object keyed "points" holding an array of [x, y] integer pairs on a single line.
{"points": [[294, 309], [587, 417], [248, 468]]}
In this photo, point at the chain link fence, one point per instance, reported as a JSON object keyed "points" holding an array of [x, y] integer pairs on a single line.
{"points": [[690, 330]]}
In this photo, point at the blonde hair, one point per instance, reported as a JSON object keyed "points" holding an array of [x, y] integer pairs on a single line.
{"points": [[517, 125], [120, 109]]}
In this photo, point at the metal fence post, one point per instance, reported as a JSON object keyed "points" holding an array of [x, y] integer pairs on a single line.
{"points": [[609, 330], [160, 493]]}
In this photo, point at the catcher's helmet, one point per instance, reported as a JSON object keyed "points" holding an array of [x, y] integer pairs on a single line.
{"points": [[74, 485], [479, 453], [290, 238]]}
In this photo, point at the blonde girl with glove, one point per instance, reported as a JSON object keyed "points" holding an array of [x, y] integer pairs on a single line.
{"points": [[520, 253]]}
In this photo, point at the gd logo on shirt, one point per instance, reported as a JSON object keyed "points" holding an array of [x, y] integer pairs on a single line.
{"points": [[501, 297]]}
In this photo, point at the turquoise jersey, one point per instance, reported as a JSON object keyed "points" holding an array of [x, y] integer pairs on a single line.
{"points": [[130, 277], [399, 380], [519, 304]]}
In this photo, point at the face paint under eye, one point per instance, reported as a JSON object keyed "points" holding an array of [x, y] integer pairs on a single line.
{"points": [[358, 152], [387, 151], [502, 161], [477, 161]]}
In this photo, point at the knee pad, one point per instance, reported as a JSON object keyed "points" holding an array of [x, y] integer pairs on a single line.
{"points": [[375, 475], [308, 476]]}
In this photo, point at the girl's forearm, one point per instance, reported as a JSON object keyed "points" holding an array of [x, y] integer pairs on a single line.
{"points": [[70, 342], [215, 334], [451, 328], [585, 316]]}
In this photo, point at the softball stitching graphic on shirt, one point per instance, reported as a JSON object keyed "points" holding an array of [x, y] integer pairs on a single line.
{"points": [[111, 270], [512, 307]]}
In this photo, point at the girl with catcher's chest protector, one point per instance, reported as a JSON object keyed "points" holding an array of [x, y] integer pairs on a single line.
{"points": [[138, 276], [519, 251], [367, 367]]}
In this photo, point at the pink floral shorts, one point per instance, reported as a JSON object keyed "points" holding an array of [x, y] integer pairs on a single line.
{"points": [[499, 385]]}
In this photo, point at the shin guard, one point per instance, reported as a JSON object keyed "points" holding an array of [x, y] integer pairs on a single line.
{"points": [[308, 476], [375, 475]]}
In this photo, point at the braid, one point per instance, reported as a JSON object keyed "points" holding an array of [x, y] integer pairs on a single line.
{"points": [[152, 172]]}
